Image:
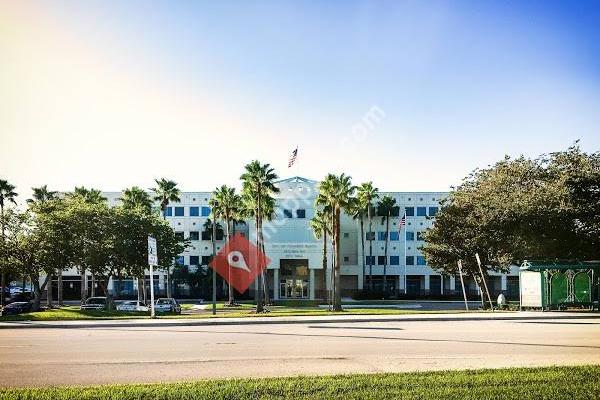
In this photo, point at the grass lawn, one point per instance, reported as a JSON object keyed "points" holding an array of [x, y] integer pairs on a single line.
{"points": [[243, 310], [553, 383]]}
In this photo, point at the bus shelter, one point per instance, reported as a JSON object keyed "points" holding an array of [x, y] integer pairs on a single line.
{"points": [[559, 284]]}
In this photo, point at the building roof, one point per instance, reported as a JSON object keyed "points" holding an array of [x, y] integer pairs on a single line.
{"points": [[537, 265]]}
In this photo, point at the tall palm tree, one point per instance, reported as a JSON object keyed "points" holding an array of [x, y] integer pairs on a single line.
{"points": [[366, 195], [258, 186], [385, 208], [358, 212], [225, 204], [166, 191], [136, 198], [7, 195], [336, 192], [321, 226]]}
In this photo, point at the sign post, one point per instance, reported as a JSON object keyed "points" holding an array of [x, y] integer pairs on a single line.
{"points": [[152, 262], [462, 283]]}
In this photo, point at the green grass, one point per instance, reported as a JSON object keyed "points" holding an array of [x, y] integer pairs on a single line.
{"points": [[72, 313], [554, 383]]}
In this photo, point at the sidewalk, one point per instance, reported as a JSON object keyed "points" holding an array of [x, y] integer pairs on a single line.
{"points": [[471, 316]]}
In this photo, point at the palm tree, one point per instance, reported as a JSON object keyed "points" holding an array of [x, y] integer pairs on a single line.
{"points": [[358, 212], [366, 195], [385, 208], [166, 191], [258, 185], [336, 193], [41, 195], [225, 203], [321, 226], [136, 198], [7, 195]]}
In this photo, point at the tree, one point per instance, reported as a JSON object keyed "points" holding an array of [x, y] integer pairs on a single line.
{"points": [[258, 186], [366, 195], [7, 195], [384, 208], [41, 195], [516, 209], [321, 226], [336, 192], [166, 191], [225, 203], [136, 198]]}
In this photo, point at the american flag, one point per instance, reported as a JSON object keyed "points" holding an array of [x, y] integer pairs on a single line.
{"points": [[293, 158], [402, 221]]}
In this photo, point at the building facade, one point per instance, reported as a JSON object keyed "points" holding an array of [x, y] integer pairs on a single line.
{"points": [[296, 268]]}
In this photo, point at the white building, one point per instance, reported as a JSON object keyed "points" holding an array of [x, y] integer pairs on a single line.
{"points": [[296, 267]]}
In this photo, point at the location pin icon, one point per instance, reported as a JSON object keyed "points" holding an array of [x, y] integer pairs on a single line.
{"points": [[236, 260]]}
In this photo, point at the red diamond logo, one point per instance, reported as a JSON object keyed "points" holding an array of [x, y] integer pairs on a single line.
{"points": [[239, 262]]}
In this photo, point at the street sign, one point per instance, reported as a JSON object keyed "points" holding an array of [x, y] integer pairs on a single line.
{"points": [[152, 262], [152, 253], [239, 262]]}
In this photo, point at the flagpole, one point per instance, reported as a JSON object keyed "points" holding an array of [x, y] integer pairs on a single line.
{"points": [[405, 257]]}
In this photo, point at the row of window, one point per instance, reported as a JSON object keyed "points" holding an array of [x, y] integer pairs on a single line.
{"points": [[395, 236], [192, 211], [370, 260], [421, 211], [300, 213], [395, 260], [205, 235]]}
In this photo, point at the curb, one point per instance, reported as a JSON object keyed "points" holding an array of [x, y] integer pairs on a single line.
{"points": [[283, 321]]}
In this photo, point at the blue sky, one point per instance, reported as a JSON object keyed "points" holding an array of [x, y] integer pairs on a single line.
{"points": [[112, 93]]}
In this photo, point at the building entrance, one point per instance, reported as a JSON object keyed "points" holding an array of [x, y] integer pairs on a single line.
{"points": [[294, 279]]}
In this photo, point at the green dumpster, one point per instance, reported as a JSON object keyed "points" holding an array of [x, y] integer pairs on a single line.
{"points": [[559, 284]]}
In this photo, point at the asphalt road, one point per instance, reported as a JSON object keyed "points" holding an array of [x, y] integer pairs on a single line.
{"points": [[77, 356]]}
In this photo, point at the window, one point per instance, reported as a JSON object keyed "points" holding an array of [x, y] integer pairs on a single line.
{"points": [[410, 235], [394, 236], [369, 235], [346, 258], [194, 235], [421, 235], [179, 235], [206, 260], [206, 234], [346, 234], [410, 211], [179, 211], [301, 213], [194, 211], [205, 211], [287, 213], [433, 211], [421, 260], [370, 260], [180, 260], [410, 260], [381, 235], [421, 211], [380, 260], [395, 211], [194, 260], [394, 260], [169, 212]]}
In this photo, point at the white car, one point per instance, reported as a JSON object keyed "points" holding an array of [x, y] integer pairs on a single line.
{"points": [[167, 305], [132, 305]]}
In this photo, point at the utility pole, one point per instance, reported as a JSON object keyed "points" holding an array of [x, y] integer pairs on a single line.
{"points": [[214, 271]]}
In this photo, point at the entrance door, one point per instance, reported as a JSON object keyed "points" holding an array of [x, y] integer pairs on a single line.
{"points": [[294, 279]]}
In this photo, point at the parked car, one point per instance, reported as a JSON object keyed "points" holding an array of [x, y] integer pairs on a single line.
{"points": [[22, 297], [132, 305], [18, 307], [94, 303], [167, 305]]}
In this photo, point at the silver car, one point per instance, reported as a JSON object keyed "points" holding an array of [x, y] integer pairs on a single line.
{"points": [[167, 305], [132, 305]]}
